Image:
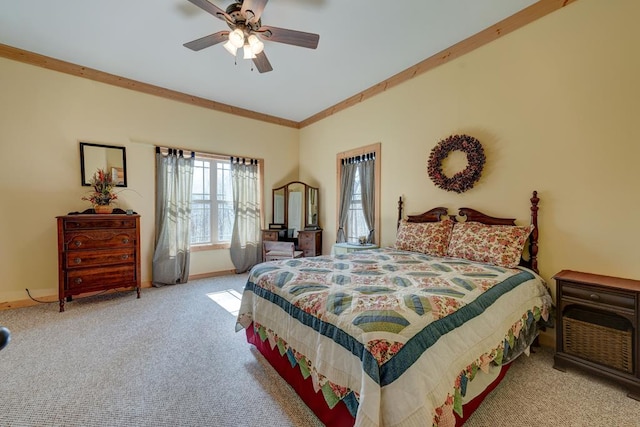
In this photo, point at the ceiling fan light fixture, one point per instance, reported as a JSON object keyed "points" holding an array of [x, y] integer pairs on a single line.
{"points": [[230, 48], [248, 53], [236, 37], [256, 45]]}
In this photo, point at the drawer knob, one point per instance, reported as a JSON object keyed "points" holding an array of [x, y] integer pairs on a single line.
{"points": [[595, 297], [77, 260], [78, 243], [125, 256], [125, 240], [78, 281]]}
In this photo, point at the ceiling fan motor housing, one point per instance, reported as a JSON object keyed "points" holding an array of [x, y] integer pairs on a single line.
{"points": [[234, 10]]}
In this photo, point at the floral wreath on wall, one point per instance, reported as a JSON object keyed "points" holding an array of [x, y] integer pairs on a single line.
{"points": [[465, 179]]}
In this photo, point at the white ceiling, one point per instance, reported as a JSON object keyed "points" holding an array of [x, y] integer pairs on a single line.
{"points": [[362, 42]]}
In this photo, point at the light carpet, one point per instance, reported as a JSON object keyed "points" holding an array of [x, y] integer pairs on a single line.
{"points": [[172, 358]]}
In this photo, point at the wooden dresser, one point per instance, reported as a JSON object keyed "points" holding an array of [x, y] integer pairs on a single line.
{"points": [[309, 241], [96, 253], [598, 319]]}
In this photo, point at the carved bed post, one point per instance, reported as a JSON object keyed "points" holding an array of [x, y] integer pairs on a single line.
{"points": [[399, 212], [533, 244]]}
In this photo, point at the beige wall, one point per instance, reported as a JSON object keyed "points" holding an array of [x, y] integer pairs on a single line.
{"points": [[43, 116], [555, 105]]}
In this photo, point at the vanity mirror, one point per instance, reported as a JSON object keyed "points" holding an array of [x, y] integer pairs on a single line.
{"points": [[296, 206], [106, 157]]}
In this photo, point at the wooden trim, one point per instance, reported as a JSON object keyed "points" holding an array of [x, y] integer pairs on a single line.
{"points": [[27, 57], [50, 299], [53, 299], [506, 26], [210, 247], [212, 274]]}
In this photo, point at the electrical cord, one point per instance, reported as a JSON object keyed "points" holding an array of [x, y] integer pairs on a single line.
{"points": [[37, 300]]}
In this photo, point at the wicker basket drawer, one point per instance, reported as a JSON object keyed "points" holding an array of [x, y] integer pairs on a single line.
{"points": [[601, 344]]}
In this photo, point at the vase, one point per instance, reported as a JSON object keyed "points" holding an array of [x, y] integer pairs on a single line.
{"points": [[103, 209]]}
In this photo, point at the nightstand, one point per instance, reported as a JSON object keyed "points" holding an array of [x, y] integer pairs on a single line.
{"points": [[597, 326]]}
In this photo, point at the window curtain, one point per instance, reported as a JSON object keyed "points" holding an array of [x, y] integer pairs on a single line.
{"points": [[367, 183], [174, 180], [346, 192], [246, 250]]}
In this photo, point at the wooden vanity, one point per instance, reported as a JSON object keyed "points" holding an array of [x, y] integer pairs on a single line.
{"points": [[295, 217]]}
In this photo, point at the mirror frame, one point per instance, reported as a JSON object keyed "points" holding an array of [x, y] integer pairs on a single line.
{"points": [[305, 204], [85, 179]]}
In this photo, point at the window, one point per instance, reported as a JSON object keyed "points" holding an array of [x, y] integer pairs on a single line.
{"points": [[212, 213], [355, 225], [212, 202]]}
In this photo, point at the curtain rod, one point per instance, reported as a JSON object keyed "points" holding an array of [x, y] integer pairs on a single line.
{"points": [[357, 159], [244, 160], [216, 156], [174, 152]]}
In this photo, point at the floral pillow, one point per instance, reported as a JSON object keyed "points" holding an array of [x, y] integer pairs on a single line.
{"points": [[431, 238], [499, 245]]}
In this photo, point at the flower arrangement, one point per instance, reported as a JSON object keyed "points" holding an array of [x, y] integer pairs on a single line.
{"points": [[102, 183]]}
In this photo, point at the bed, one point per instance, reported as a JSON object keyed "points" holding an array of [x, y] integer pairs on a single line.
{"points": [[409, 335]]}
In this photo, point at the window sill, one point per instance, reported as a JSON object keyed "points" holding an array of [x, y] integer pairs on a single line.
{"points": [[211, 247]]}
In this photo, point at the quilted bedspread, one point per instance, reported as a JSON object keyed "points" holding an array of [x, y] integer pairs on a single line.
{"points": [[390, 332]]}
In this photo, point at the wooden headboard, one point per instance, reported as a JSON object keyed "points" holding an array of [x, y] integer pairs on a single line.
{"points": [[437, 214]]}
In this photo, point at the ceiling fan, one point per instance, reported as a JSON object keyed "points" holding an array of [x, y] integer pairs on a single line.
{"points": [[247, 32]]}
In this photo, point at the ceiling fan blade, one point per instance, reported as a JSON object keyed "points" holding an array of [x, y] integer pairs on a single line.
{"points": [[207, 41], [295, 38], [212, 9], [255, 7], [262, 63]]}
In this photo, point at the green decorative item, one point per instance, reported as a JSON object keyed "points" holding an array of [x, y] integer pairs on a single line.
{"points": [[465, 179]]}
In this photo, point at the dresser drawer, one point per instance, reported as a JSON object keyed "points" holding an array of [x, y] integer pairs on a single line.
{"points": [[99, 239], [270, 235], [81, 258], [598, 296], [307, 240], [84, 280], [82, 223]]}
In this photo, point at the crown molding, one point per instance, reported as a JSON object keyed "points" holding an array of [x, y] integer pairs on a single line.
{"points": [[43, 61]]}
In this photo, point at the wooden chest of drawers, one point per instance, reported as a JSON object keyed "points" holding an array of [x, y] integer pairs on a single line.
{"points": [[97, 252], [310, 242]]}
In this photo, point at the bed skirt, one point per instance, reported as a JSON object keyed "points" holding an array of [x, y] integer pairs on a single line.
{"points": [[339, 415]]}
